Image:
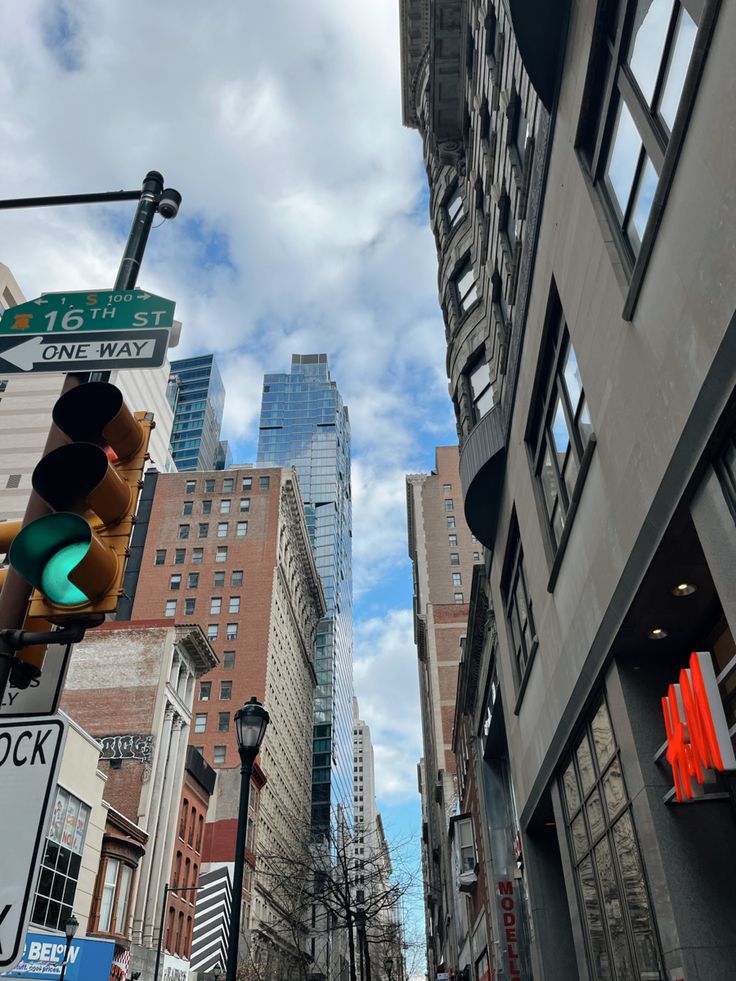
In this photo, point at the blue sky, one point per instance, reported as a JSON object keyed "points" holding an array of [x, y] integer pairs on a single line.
{"points": [[303, 229]]}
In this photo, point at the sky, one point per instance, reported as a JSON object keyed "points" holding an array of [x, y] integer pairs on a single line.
{"points": [[303, 228]]}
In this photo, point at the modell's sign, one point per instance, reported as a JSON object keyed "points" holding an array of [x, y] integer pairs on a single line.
{"points": [[696, 726]]}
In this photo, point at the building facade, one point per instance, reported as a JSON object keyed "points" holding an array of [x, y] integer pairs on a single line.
{"points": [[443, 553], [580, 171], [197, 396], [304, 424]]}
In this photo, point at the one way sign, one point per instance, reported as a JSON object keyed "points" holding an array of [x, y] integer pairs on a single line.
{"points": [[142, 348], [30, 757]]}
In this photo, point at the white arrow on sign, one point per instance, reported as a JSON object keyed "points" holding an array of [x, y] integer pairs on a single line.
{"points": [[36, 350]]}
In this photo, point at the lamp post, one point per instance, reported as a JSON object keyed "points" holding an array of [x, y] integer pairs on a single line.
{"points": [[250, 727], [70, 928], [389, 965]]}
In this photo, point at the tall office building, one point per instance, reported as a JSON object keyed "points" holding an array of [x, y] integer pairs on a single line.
{"points": [[198, 399], [304, 424]]}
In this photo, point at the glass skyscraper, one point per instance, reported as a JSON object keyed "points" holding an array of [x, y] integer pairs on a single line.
{"points": [[198, 400], [304, 424]]}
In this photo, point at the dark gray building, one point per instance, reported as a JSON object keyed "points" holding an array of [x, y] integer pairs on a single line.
{"points": [[582, 158]]}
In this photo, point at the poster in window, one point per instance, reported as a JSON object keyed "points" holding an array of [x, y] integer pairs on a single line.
{"points": [[67, 834], [81, 828], [57, 821]]}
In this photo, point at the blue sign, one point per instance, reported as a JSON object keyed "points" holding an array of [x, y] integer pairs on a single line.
{"points": [[43, 955]]}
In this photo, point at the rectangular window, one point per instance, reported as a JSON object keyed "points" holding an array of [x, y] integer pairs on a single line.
{"points": [[222, 527], [170, 610], [209, 486], [160, 556], [226, 691], [465, 843], [454, 207], [206, 507], [244, 504], [466, 290], [242, 529], [220, 754], [204, 530], [13, 481], [180, 555], [219, 579], [459, 598], [454, 558], [189, 605], [236, 577], [234, 606], [518, 605], [212, 629], [452, 541], [174, 582], [450, 520], [476, 556], [221, 554], [200, 722], [61, 862], [183, 531], [192, 580], [447, 488], [481, 390], [188, 506], [225, 506], [449, 505], [205, 691], [247, 483], [560, 429], [197, 556], [228, 659], [264, 482], [216, 604], [227, 485], [457, 579], [190, 487], [223, 721], [231, 632]]}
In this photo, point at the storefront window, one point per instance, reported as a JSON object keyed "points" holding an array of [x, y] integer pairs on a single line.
{"points": [[616, 911], [57, 884]]}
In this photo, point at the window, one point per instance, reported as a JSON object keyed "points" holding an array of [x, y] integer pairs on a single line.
{"points": [[228, 659], [231, 632], [465, 288], [212, 629], [227, 485], [206, 507], [476, 556], [183, 531], [465, 843], [242, 529], [190, 487], [455, 557], [189, 605], [225, 506], [219, 579], [459, 598], [481, 390], [222, 527], [170, 610], [226, 691], [221, 554], [247, 483], [205, 691], [209, 486], [174, 582], [642, 62], [450, 520], [200, 722], [234, 606], [561, 428], [518, 606], [615, 907], [452, 542], [192, 580], [485, 123], [188, 506], [13, 481], [116, 877], [264, 483], [62, 858], [449, 504], [223, 721], [204, 530], [216, 604], [236, 577], [447, 488], [454, 207], [244, 504], [197, 556], [160, 556], [220, 754], [180, 555]]}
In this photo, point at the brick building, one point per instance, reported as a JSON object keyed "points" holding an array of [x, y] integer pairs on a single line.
{"points": [[229, 550], [443, 553]]}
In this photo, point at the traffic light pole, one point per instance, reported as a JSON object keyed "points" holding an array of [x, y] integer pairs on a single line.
{"points": [[16, 592]]}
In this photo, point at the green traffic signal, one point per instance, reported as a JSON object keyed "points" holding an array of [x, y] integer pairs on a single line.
{"points": [[55, 584]]}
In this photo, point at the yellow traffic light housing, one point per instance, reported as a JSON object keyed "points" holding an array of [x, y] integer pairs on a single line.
{"points": [[76, 556]]}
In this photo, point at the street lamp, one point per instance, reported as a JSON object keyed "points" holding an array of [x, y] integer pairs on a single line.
{"points": [[70, 928], [250, 727], [389, 965]]}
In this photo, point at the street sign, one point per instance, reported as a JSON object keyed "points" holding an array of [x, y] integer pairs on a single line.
{"points": [[30, 757], [140, 348], [69, 313], [43, 695]]}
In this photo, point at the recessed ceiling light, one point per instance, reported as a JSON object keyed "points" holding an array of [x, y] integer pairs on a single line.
{"points": [[684, 589], [657, 633]]}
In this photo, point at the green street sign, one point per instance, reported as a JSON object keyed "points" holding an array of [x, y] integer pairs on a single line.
{"points": [[67, 313]]}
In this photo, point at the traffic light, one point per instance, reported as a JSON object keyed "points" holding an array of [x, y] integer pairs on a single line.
{"points": [[8, 531], [76, 556], [28, 660]]}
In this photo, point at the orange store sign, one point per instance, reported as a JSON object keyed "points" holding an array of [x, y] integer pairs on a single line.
{"points": [[696, 726]]}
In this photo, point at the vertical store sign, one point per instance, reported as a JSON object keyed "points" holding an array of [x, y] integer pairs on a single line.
{"points": [[511, 928], [697, 731]]}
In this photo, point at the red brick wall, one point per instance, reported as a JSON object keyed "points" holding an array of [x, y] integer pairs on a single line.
{"points": [[192, 810]]}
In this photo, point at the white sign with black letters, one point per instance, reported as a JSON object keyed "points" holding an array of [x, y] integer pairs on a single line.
{"points": [[43, 695], [30, 757]]}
